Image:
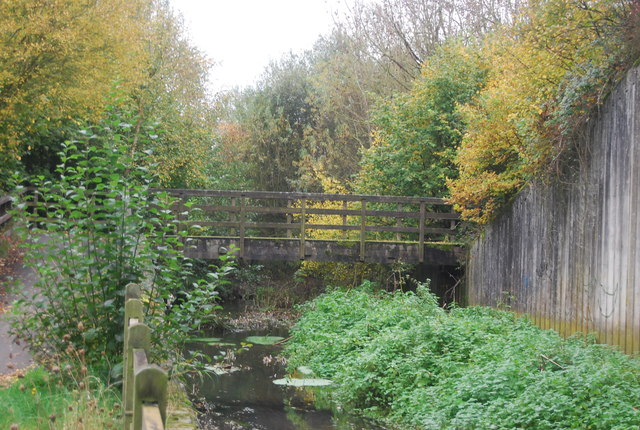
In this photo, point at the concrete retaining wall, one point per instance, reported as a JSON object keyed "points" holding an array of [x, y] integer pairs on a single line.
{"points": [[568, 253]]}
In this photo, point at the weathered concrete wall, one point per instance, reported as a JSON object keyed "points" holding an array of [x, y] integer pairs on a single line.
{"points": [[568, 253]]}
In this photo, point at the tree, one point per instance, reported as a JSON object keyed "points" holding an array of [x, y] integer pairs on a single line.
{"points": [[63, 61], [276, 117], [174, 93], [548, 73], [400, 35], [58, 62], [416, 133]]}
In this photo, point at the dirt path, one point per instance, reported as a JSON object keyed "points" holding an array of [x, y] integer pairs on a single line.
{"points": [[13, 275]]}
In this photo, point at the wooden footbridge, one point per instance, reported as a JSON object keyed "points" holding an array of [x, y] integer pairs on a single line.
{"points": [[318, 227]]}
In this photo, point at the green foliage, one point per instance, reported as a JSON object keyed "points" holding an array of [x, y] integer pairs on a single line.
{"points": [[275, 118], [548, 73], [92, 232], [416, 133], [402, 358], [60, 61]]}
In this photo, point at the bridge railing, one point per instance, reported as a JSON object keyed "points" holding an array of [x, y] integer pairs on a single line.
{"points": [[303, 216]]}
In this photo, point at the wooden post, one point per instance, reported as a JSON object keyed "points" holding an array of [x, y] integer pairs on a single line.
{"points": [[144, 386], [150, 383], [139, 337], [132, 291], [421, 238], [303, 221], [181, 210], [233, 217], [180, 218], [242, 221], [363, 228], [344, 220], [289, 219], [133, 311], [398, 222]]}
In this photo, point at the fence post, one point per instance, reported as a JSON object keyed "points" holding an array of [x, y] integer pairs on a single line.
{"points": [[181, 217], [363, 228], [344, 220], [421, 238], [144, 388], [289, 219], [303, 222], [242, 221], [150, 387], [133, 310], [399, 208], [232, 216]]}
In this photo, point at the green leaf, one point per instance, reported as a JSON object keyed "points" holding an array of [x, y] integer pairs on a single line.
{"points": [[264, 340], [297, 382]]}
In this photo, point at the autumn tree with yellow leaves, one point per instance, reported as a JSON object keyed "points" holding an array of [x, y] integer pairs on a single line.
{"points": [[63, 61], [549, 72]]}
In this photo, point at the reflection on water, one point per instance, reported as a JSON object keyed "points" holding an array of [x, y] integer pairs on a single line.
{"points": [[248, 399]]}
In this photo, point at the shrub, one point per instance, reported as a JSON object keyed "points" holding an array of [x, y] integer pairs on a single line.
{"points": [[401, 358], [96, 229], [549, 73]]}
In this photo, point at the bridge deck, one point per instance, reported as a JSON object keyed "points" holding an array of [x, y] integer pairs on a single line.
{"points": [[288, 249]]}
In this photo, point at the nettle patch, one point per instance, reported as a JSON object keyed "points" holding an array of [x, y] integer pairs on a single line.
{"points": [[401, 358]]}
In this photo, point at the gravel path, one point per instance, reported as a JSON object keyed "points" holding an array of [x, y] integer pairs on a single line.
{"points": [[13, 357]]}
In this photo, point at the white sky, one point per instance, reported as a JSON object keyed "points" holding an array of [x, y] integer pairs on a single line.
{"points": [[243, 36]]}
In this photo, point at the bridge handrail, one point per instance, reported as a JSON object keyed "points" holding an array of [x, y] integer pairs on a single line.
{"points": [[300, 195], [5, 206], [144, 389]]}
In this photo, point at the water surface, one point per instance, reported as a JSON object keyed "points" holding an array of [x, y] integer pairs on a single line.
{"points": [[248, 399]]}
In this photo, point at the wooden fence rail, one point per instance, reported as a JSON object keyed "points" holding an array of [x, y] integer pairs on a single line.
{"points": [[144, 390], [5, 206], [253, 214]]}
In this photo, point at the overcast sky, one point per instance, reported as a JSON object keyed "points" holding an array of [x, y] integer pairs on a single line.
{"points": [[242, 36]]}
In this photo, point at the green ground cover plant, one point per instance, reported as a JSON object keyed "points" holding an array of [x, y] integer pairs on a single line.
{"points": [[59, 398], [401, 358]]}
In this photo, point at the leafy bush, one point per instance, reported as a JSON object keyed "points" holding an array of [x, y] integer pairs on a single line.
{"points": [[402, 358], [96, 229], [549, 73]]}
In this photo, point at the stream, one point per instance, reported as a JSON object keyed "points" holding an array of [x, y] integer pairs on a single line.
{"points": [[240, 393]]}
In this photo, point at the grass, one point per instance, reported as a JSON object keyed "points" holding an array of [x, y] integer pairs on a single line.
{"points": [[40, 400]]}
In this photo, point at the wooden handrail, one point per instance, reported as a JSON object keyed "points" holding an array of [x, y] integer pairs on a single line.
{"points": [[5, 203], [297, 196], [250, 212], [241, 216], [5, 206], [144, 390]]}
